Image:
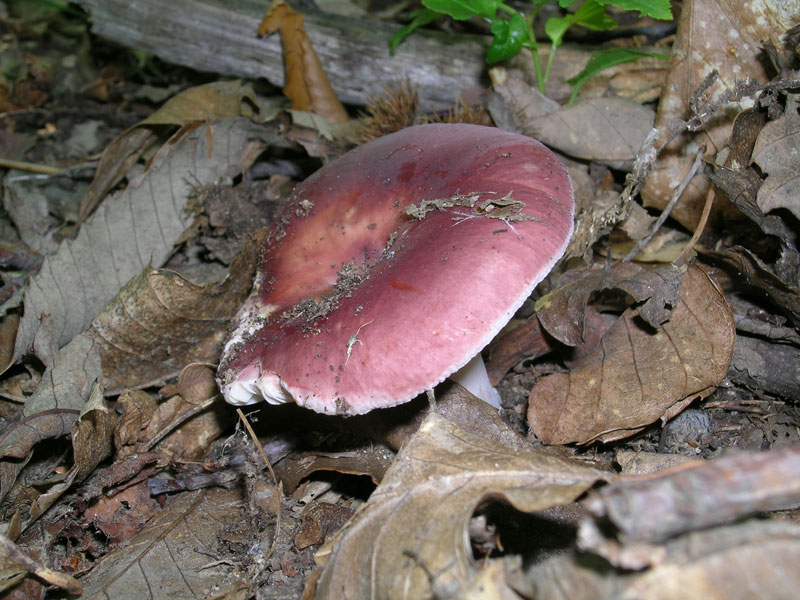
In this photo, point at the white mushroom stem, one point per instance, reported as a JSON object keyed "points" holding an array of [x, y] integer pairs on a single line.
{"points": [[475, 379]]}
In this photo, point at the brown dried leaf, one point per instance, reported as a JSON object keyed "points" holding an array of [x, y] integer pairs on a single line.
{"points": [[563, 312], [15, 565], [410, 539], [776, 152], [608, 130], [785, 295], [306, 86], [138, 408], [132, 230], [214, 101], [605, 130], [169, 557], [91, 443], [712, 34], [160, 322], [637, 375]]}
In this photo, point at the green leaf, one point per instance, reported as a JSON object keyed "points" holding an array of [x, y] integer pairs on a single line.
{"points": [[566, 3], [556, 27], [419, 18], [508, 38], [603, 59], [593, 16], [461, 10], [658, 9]]}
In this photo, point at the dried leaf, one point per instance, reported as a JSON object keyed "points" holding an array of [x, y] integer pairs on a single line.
{"points": [[776, 152], [169, 557], [160, 322], [91, 443], [563, 311], [214, 101], [15, 565], [133, 230], [608, 130], [306, 86], [410, 539], [51, 411], [138, 408], [637, 375], [604, 130], [785, 294], [525, 340], [712, 34]]}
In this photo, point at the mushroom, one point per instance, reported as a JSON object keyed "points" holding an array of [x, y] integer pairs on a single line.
{"points": [[395, 265]]}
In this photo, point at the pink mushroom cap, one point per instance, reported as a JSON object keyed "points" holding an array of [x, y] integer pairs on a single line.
{"points": [[395, 265]]}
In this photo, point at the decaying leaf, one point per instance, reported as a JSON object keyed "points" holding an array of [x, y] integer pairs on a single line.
{"points": [[655, 290], [91, 443], [130, 232], [410, 540], [777, 152], [15, 565], [712, 35], [160, 322], [639, 374], [306, 86], [177, 541], [214, 101], [53, 408], [606, 130]]}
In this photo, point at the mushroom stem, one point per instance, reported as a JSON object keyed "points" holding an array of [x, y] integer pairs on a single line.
{"points": [[474, 378]]}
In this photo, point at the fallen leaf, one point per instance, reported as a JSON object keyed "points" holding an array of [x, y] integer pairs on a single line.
{"points": [[777, 152], [130, 232], [759, 276], [169, 558], [160, 322], [214, 101], [410, 539], [306, 86], [563, 311], [712, 35], [605, 130], [15, 565], [637, 374], [91, 443]]}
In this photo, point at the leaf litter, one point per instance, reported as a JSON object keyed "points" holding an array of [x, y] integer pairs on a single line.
{"points": [[611, 319]]}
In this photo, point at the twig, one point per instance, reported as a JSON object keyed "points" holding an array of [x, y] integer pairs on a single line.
{"points": [[701, 225], [278, 486], [26, 166], [668, 208]]}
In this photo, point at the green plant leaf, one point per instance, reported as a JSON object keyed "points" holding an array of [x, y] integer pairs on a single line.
{"points": [[658, 9], [419, 18], [603, 59], [461, 10], [556, 27], [508, 38], [592, 15]]}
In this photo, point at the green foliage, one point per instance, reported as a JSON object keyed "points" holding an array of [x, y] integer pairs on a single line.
{"points": [[512, 30], [603, 59]]}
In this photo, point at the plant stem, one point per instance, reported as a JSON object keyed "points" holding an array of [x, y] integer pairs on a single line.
{"points": [[550, 56]]}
